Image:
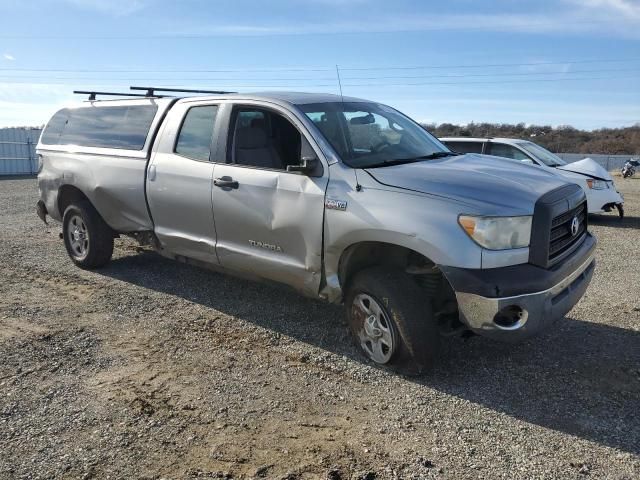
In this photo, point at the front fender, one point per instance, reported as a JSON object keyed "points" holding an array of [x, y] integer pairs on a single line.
{"points": [[425, 224]]}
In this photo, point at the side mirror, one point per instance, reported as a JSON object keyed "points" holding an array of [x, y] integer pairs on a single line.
{"points": [[528, 161], [307, 166]]}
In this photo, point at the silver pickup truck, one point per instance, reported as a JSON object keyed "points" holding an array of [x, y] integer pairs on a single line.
{"points": [[342, 199]]}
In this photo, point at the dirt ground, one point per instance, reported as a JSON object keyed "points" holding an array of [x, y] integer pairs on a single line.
{"points": [[152, 369]]}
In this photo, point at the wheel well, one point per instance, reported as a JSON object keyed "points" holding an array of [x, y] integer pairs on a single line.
{"points": [[68, 194], [423, 270], [368, 254]]}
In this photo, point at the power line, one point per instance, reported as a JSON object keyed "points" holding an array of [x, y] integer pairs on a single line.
{"points": [[298, 79], [129, 70], [488, 65], [303, 31], [487, 82], [494, 74], [152, 78], [332, 85], [319, 69]]}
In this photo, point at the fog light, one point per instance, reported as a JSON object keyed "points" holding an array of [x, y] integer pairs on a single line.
{"points": [[511, 317]]}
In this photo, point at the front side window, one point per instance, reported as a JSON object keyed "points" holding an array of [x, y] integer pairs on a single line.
{"points": [[124, 127], [265, 139], [542, 154], [507, 151], [367, 134], [196, 133]]}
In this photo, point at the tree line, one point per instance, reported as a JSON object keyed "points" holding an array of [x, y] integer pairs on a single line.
{"points": [[561, 139]]}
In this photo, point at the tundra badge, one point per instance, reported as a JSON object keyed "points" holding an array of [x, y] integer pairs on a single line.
{"points": [[267, 246]]}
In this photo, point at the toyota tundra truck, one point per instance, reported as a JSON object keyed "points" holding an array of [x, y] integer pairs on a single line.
{"points": [[343, 199]]}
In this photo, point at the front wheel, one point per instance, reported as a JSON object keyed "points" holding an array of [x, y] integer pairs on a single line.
{"points": [[392, 320], [87, 238]]}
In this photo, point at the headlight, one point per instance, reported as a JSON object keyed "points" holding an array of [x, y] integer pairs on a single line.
{"points": [[597, 184], [498, 233]]}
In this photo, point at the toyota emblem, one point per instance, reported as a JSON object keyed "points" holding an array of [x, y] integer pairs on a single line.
{"points": [[575, 226]]}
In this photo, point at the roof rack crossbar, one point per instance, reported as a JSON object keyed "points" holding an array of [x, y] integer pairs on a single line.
{"points": [[151, 90], [92, 95]]}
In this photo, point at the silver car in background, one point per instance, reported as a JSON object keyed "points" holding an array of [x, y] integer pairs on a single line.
{"points": [[343, 199]]}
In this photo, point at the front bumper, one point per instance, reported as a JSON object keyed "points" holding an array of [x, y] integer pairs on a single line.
{"points": [[533, 298], [598, 200]]}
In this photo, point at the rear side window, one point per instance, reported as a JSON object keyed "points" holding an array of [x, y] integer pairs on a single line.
{"points": [[123, 127], [196, 133], [465, 147]]}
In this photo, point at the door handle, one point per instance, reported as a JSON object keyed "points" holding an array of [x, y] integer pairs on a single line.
{"points": [[152, 173], [226, 182]]}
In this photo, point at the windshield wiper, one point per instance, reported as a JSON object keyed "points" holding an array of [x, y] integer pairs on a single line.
{"points": [[400, 161]]}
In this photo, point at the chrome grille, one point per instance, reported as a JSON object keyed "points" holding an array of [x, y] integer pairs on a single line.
{"points": [[561, 238]]}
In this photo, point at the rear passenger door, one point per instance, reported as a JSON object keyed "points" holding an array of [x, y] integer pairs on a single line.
{"points": [[269, 220], [179, 181]]}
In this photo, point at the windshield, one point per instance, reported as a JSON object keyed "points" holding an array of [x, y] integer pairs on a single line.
{"points": [[542, 154], [367, 134]]}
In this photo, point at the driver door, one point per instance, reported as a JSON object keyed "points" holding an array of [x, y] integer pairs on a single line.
{"points": [[269, 221]]}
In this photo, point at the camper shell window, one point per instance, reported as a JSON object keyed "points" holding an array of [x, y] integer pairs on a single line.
{"points": [[122, 127]]}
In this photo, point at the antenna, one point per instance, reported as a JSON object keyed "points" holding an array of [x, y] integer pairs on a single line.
{"points": [[150, 90], [339, 83], [92, 95]]}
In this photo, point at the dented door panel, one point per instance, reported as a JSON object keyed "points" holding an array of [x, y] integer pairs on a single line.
{"points": [[271, 225]]}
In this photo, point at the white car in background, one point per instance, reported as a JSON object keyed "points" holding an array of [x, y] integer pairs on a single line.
{"points": [[602, 194]]}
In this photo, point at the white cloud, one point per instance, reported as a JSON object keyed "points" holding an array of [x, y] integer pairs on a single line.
{"points": [[9, 57], [31, 103], [584, 17], [604, 17], [111, 7], [626, 8]]}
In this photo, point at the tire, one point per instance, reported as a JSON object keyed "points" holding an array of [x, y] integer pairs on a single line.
{"points": [[405, 319], [87, 238]]}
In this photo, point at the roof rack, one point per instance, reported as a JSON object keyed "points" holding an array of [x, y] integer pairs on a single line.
{"points": [[92, 95], [151, 90]]}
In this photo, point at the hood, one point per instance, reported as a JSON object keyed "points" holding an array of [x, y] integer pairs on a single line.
{"points": [[472, 178], [588, 167]]}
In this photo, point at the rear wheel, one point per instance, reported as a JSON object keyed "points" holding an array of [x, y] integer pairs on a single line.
{"points": [[392, 320], [87, 238]]}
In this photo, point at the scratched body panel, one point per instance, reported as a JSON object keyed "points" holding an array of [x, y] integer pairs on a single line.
{"points": [[277, 209], [112, 179]]}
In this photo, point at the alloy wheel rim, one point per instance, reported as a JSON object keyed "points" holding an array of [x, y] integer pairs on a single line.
{"points": [[376, 333], [78, 236]]}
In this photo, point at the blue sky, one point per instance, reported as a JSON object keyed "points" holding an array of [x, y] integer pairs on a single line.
{"points": [[552, 62]]}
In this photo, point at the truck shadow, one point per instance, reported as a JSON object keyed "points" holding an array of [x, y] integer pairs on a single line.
{"points": [[582, 378], [612, 220]]}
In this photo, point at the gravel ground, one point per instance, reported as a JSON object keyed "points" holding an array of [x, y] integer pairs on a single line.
{"points": [[153, 369]]}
